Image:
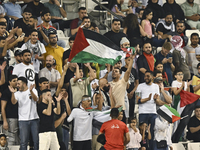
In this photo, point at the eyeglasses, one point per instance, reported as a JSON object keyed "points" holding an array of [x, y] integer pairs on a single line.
{"points": [[53, 37], [180, 74]]}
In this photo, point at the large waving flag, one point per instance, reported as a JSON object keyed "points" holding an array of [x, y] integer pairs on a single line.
{"points": [[184, 103], [90, 46], [168, 113]]}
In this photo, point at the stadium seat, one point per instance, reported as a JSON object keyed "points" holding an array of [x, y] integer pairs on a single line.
{"points": [[193, 146], [178, 146]]}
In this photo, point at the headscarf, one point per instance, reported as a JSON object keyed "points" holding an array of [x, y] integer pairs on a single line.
{"points": [[177, 42]]}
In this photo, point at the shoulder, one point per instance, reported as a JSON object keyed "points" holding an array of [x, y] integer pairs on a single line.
{"points": [[61, 48]]}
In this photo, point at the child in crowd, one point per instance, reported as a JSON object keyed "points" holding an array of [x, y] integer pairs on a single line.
{"points": [[159, 66], [115, 6], [135, 136], [146, 135], [3, 142]]}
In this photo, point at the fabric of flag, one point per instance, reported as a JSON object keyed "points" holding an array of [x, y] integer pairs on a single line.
{"points": [[184, 103], [168, 113], [90, 46]]}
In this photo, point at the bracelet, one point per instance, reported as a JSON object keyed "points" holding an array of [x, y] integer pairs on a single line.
{"points": [[139, 101]]}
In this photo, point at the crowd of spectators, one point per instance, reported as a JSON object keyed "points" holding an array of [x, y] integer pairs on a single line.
{"points": [[48, 102]]}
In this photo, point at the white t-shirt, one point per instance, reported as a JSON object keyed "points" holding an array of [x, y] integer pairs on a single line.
{"points": [[26, 105], [36, 62], [27, 71], [149, 106], [179, 84]]}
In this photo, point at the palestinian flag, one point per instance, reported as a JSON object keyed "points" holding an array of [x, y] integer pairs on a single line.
{"points": [[184, 103], [168, 113], [90, 46]]}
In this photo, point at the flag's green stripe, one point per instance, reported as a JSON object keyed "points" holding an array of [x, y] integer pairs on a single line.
{"points": [[164, 115], [173, 111], [176, 100], [85, 57]]}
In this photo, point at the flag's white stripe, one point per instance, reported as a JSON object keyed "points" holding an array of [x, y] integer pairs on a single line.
{"points": [[166, 110], [101, 50]]}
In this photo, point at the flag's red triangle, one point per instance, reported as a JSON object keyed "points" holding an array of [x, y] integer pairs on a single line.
{"points": [[80, 43], [187, 98], [175, 118]]}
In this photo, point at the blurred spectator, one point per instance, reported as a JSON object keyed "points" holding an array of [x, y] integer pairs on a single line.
{"points": [[32, 23], [140, 14], [94, 27], [115, 35], [159, 67], [191, 11], [25, 68], [195, 81], [37, 7], [86, 22], [51, 74], [145, 2], [146, 135], [56, 51], [10, 113], [166, 57], [13, 10], [76, 23], [133, 6], [115, 6], [67, 52], [28, 118], [145, 61], [43, 84], [3, 142], [191, 50]]}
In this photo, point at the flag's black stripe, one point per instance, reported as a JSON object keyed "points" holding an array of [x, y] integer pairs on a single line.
{"points": [[164, 115], [100, 38]]}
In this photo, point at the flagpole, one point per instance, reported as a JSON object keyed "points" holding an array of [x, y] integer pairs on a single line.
{"points": [[184, 117]]}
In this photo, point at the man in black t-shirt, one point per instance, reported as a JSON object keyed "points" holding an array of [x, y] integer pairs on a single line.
{"points": [[194, 126], [36, 7], [10, 113], [46, 110], [133, 84], [115, 35], [67, 52]]}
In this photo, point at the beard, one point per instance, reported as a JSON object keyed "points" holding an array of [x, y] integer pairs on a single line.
{"points": [[168, 23], [48, 65], [106, 88], [147, 81], [190, 1], [28, 61]]}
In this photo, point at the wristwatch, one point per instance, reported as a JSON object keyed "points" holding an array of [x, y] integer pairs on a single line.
{"points": [[60, 6]]}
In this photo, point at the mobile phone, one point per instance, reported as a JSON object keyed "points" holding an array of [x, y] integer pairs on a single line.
{"points": [[23, 34]]}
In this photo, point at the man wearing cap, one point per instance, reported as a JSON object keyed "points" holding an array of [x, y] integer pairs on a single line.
{"points": [[13, 10], [165, 97], [193, 49]]}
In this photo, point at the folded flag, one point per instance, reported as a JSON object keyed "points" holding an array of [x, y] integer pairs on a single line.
{"points": [[90, 46], [168, 113]]}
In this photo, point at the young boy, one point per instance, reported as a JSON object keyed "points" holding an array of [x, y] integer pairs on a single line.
{"points": [[135, 136], [3, 142], [146, 135]]}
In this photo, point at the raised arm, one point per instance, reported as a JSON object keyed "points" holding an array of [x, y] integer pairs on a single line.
{"points": [[2, 67], [48, 111], [77, 74], [92, 74], [57, 110], [128, 71], [35, 98]]}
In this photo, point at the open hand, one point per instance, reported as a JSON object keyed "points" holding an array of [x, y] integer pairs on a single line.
{"points": [[31, 87], [12, 90], [2, 67], [59, 97]]}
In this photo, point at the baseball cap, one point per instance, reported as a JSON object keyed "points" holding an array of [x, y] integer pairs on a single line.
{"points": [[157, 80]]}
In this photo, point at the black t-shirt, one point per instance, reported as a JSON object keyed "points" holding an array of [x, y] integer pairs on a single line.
{"points": [[21, 24], [66, 54], [133, 76], [36, 9], [194, 122], [115, 37], [68, 76], [142, 63], [11, 110], [162, 29], [46, 122]]}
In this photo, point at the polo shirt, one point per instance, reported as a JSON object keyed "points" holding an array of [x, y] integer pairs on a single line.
{"points": [[54, 9], [12, 9], [166, 66], [57, 53], [195, 82]]}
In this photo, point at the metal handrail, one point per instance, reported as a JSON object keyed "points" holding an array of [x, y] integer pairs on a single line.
{"points": [[108, 10]]}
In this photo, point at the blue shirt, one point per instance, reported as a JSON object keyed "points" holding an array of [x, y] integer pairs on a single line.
{"points": [[167, 66], [13, 9]]}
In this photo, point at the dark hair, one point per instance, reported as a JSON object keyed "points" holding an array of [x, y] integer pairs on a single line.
{"points": [[2, 24], [43, 79], [113, 3], [180, 21], [45, 91], [34, 17], [92, 68], [116, 20], [194, 34], [197, 106], [81, 8], [146, 43], [11, 77], [131, 118], [85, 96], [131, 21], [156, 72], [198, 65], [146, 12], [27, 9], [140, 10], [148, 71], [114, 113], [23, 79], [34, 30], [86, 17], [176, 71], [168, 13], [120, 70], [45, 11], [3, 135], [93, 25], [80, 68], [64, 87], [25, 51], [158, 62], [72, 38], [2, 38], [141, 123], [52, 32]]}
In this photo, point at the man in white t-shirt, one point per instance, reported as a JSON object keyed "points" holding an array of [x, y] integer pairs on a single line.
{"points": [[147, 99], [27, 112], [25, 69], [37, 49]]}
